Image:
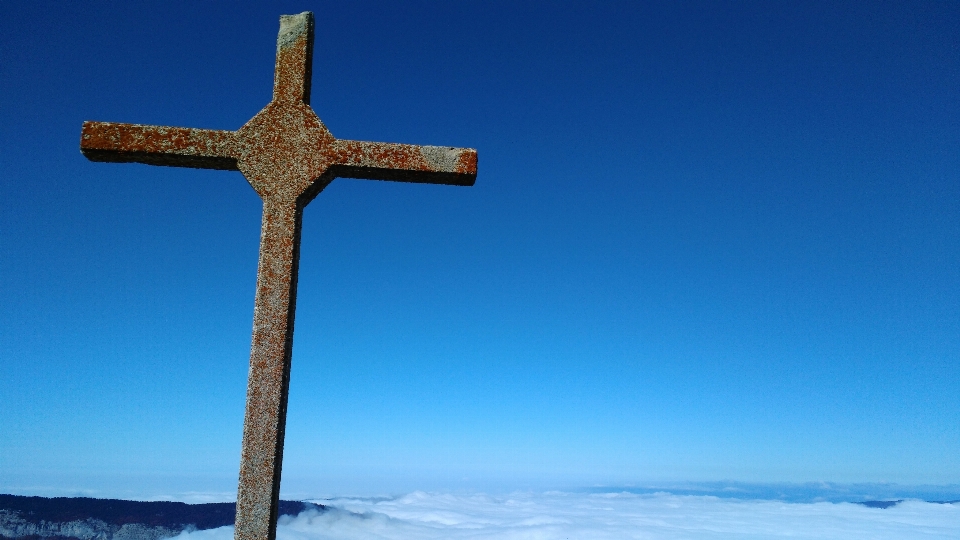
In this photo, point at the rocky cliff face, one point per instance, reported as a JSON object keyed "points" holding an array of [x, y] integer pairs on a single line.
{"points": [[13, 525], [81, 518]]}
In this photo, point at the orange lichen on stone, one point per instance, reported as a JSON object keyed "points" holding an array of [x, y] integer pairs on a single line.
{"points": [[288, 156]]}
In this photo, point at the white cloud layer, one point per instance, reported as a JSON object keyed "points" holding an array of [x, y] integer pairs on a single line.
{"points": [[620, 516]]}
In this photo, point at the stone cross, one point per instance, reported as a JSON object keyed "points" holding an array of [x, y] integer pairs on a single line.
{"points": [[288, 156]]}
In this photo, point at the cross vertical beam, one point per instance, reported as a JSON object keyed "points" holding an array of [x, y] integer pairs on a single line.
{"points": [[268, 382], [271, 350], [288, 156]]}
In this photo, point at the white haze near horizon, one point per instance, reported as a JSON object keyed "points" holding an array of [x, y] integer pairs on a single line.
{"points": [[607, 516]]}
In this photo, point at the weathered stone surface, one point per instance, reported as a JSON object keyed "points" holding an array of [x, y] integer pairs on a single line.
{"points": [[288, 156]]}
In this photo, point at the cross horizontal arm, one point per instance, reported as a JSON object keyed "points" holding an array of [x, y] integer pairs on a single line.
{"points": [[158, 145], [405, 162]]}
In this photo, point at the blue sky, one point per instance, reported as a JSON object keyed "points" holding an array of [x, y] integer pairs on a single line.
{"points": [[707, 242]]}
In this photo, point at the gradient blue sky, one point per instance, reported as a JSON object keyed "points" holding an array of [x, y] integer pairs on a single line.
{"points": [[707, 241]]}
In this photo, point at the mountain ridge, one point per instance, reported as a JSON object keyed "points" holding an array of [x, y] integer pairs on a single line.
{"points": [[85, 518]]}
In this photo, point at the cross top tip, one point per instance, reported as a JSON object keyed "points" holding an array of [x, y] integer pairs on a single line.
{"points": [[294, 26], [294, 58]]}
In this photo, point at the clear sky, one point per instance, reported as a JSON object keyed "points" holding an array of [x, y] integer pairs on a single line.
{"points": [[707, 241]]}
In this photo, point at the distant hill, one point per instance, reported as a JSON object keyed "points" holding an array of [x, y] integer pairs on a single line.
{"points": [[82, 518]]}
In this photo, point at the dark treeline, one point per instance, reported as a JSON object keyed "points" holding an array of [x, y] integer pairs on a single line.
{"points": [[119, 512]]}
